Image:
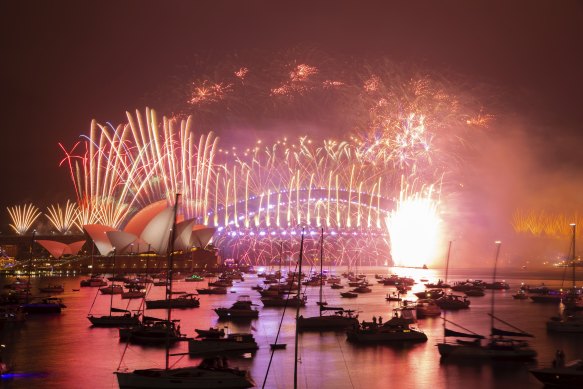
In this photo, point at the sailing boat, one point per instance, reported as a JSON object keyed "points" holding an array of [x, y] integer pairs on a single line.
{"points": [[45, 305], [211, 373], [572, 300], [449, 300], [341, 318], [570, 322], [111, 320], [501, 344]]}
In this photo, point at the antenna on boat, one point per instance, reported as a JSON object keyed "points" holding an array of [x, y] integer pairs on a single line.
{"points": [[498, 244], [298, 310]]}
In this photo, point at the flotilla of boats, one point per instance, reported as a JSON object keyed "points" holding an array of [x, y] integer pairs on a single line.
{"points": [[402, 326]]}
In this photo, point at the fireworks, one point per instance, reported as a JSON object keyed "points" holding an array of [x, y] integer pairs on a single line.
{"points": [[538, 222], [64, 219], [23, 217], [404, 129], [414, 228]]}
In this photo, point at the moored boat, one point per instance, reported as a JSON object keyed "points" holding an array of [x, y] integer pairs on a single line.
{"points": [[52, 288], [207, 375], [242, 308], [233, 343], [427, 308], [396, 329], [187, 300], [561, 375]]}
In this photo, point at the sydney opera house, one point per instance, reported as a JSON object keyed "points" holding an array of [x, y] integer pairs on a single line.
{"points": [[142, 245]]}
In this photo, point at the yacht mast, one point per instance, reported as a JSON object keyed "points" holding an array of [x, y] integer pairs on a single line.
{"points": [[298, 310], [169, 272], [573, 255], [112, 283], [498, 243], [446, 270], [321, 267]]}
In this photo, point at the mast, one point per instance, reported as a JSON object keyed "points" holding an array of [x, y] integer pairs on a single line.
{"points": [[574, 226], [498, 243], [169, 272], [298, 310], [29, 288], [447, 261], [446, 271], [321, 267], [112, 283]]}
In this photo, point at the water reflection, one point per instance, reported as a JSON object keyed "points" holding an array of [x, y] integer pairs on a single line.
{"points": [[64, 350]]}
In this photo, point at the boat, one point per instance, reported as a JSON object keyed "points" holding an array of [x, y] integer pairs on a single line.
{"points": [[112, 289], [501, 345], [349, 295], [339, 319], [210, 373], [11, 314], [215, 290], [231, 344], [194, 278], [210, 333], [213, 373], [93, 282], [122, 318], [567, 323], [50, 288], [552, 297], [45, 305], [430, 294], [126, 319], [560, 374], [427, 308], [396, 329], [498, 285], [133, 294], [393, 297], [362, 289], [186, 300], [281, 301], [440, 284], [520, 295], [152, 331], [475, 292], [573, 300], [453, 302], [242, 308]]}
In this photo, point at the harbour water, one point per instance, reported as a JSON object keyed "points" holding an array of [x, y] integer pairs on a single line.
{"points": [[64, 351]]}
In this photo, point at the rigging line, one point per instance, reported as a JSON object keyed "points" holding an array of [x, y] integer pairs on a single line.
{"points": [[95, 298], [508, 324], [457, 325], [279, 329], [344, 360]]}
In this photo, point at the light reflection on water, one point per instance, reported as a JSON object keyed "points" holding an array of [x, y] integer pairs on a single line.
{"points": [[65, 351]]}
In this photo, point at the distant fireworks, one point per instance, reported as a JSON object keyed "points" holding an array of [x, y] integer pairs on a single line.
{"points": [[23, 217], [540, 222]]}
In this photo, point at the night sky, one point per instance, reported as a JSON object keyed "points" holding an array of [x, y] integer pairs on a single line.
{"points": [[66, 63]]}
